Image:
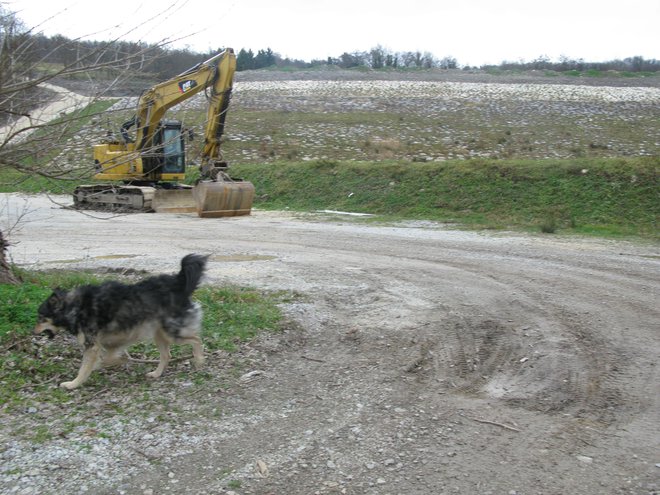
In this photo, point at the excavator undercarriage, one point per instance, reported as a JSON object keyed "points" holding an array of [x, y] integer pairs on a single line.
{"points": [[209, 199]]}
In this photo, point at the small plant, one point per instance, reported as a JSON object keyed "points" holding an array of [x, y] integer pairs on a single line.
{"points": [[325, 164], [42, 434], [549, 225]]}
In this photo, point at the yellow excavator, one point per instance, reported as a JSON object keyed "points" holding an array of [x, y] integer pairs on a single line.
{"points": [[147, 168]]}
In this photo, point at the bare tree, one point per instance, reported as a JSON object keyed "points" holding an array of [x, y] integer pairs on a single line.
{"points": [[36, 117], [6, 275], [448, 63], [377, 57]]}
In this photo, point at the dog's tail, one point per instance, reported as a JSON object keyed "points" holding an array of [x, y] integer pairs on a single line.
{"points": [[192, 269]]}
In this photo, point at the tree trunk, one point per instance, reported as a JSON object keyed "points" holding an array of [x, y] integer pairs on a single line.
{"points": [[6, 275]]}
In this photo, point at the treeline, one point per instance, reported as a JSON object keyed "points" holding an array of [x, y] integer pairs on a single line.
{"points": [[37, 52], [381, 58], [565, 64], [376, 58], [167, 62]]}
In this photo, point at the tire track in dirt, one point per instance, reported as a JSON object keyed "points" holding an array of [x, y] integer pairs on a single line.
{"points": [[535, 354]]}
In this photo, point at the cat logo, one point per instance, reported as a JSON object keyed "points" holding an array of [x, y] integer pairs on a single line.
{"points": [[185, 86]]}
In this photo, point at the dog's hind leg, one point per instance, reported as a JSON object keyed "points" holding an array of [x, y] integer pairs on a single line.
{"points": [[163, 345], [198, 352], [197, 348], [90, 359], [189, 334]]}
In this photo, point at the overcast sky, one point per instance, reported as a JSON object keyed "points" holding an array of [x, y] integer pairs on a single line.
{"points": [[475, 32]]}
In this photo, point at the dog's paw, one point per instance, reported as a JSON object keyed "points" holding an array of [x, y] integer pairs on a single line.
{"points": [[68, 385], [154, 374]]}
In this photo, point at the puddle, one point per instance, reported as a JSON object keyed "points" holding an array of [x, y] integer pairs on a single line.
{"points": [[241, 257], [104, 257], [115, 256]]}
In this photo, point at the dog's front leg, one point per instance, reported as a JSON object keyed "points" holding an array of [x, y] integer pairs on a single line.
{"points": [[89, 361]]}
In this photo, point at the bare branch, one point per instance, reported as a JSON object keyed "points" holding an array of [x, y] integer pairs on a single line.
{"points": [[10, 221]]}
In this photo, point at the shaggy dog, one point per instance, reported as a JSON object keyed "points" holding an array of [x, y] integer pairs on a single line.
{"points": [[110, 317]]}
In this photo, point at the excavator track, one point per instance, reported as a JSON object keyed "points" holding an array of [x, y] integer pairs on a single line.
{"points": [[126, 198], [210, 199]]}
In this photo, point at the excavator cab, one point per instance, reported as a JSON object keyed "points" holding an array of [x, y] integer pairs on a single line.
{"points": [[171, 155], [167, 154]]}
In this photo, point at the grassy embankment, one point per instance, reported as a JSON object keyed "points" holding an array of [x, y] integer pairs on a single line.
{"points": [[610, 197], [601, 196], [587, 194]]}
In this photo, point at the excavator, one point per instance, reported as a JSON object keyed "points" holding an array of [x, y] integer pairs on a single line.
{"points": [[146, 169]]}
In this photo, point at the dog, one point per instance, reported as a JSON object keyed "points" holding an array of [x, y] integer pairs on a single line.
{"points": [[110, 317]]}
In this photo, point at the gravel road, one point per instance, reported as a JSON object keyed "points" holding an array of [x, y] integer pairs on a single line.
{"points": [[62, 101], [420, 360]]}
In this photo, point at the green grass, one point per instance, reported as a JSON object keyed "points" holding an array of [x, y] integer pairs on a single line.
{"points": [[235, 315], [609, 197], [613, 197], [19, 303], [30, 370]]}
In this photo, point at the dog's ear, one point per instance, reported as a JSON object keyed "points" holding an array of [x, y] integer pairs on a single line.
{"points": [[59, 292], [56, 300]]}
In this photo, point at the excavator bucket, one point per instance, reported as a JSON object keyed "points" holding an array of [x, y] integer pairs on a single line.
{"points": [[174, 201], [223, 198]]}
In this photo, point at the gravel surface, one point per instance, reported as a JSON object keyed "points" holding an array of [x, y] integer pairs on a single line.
{"points": [[417, 360], [434, 116]]}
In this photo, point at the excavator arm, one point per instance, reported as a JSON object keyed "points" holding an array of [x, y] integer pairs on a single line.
{"points": [[216, 73], [215, 119]]}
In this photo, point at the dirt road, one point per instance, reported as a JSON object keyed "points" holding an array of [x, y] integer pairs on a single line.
{"points": [[424, 361], [62, 102]]}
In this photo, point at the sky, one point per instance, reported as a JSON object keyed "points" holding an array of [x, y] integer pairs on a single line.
{"points": [[474, 32]]}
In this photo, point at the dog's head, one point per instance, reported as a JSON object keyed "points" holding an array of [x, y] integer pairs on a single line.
{"points": [[50, 313]]}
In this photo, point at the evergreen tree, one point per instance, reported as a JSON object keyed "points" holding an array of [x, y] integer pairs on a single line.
{"points": [[245, 60]]}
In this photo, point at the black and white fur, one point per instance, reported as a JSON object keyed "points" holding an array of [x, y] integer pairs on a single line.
{"points": [[110, 317]]}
